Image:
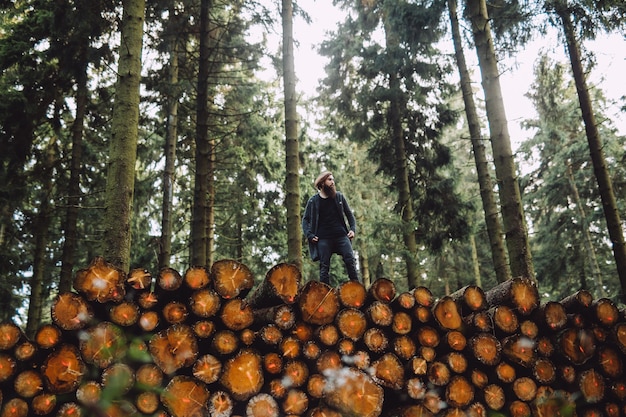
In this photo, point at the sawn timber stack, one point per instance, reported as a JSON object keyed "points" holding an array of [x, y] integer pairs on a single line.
{"points": [[208, 343]]}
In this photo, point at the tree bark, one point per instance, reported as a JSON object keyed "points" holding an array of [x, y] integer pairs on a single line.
{"points": [[123, 147], [605, 185], [490, 207], [510, 199], [292, 161], [171, 137]]}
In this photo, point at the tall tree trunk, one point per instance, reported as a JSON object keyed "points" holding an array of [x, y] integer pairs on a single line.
{"points": [[123, 147], [490, 207], [476, 265], [584, 224], [73, 191], [405, 203], [200, 218], [292, 162], [171, 138], [41, 228], [605, 185], [510, 199]]}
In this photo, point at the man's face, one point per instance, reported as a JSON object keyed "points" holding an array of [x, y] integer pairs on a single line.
{"points": [[329, 186]]}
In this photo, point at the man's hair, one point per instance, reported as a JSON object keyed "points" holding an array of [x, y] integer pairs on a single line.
{"points": [[319, 181]]}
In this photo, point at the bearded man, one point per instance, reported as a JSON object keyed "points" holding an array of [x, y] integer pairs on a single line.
{"points": [[324, 225]]}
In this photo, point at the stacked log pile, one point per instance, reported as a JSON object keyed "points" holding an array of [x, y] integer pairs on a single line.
{"points": [[206, 343]]}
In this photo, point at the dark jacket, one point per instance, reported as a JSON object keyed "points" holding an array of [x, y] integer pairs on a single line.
{"points": [[311, 217]]}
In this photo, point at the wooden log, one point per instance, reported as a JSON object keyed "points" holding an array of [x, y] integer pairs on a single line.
{"points": [[311, 350], [577, 302], [124, 314], [438, 373], [459, 392], [610, 362], [43, 404], [349, 383], [173, 348], [302, 331], [175, 312], [479, 378], [529, 329], [455, 340], [290, 347], [447, 314], [417, 365], [281, 285], [346, 346], [318, 303], [471, 298], [220, 404], [519, 408], [70, 311], [619, 335], [118, 378], [404, 347], [247, 336], [204, 328], [552, 315], [389, 371], [519, 350], [63, 370], [231, 278], [479, 321], [592, 386], [15, 407], [139, 279], [423, 296], [89, 393], [272, 363], [352, 294], [544, 371], [100, 281], [456, 361], [504, 319], [147, 402], [486, 348], [606, 312], [375, 340], [405, 301], [328, 361], [262, 405], [243, 375], [205, 302], [380, 314], [225, 342], [28, 383], [383, 290], [270, 335], [185, 396], [24, 351], [316, 385], [207, 369], [147, 299], [197, 277], [282, 316], [525, 388], [428, 336], [295, 402], [494, 397], [578, 345], [401, 323], [296, 373], [545, 346], [149, 377], [520, 293], [416, 410], [236, 314], [328, 334], [505, 372], [351, 323], [47, 336]]}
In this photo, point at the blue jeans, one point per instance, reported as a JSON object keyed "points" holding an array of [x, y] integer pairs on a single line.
{"points": [[341, 246]]}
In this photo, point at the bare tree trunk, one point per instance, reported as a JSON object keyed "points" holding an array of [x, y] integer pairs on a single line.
{"points": [[123, 147], [490, 207], [405, 203], [200, 217], [74, 197], [38, 280], [584, 223], [510, 199], [605, 185], [171, 138], [477, 278], [292, 184]]}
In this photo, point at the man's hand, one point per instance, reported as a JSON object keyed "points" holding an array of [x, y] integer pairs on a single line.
{"points": [[315, 239], [350, 234]]}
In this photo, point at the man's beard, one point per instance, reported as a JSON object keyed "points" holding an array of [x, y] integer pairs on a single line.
{"points": [[329, 190]]}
